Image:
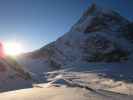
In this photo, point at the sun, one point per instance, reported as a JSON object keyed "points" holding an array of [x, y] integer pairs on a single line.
{"points": [[13, 48]]}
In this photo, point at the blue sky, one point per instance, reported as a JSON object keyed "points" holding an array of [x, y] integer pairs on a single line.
{"points": [[34, 23]]}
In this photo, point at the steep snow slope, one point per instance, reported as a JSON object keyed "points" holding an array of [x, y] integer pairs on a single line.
{"points": [[100, 35]]}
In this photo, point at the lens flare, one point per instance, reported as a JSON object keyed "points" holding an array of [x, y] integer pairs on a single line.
{"points": [[13, 48]]}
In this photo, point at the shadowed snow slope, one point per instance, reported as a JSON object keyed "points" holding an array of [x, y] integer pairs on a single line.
{"points": [[12, 75]]}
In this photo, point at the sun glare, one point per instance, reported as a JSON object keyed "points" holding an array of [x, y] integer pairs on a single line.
{"points": [[12, 48]]}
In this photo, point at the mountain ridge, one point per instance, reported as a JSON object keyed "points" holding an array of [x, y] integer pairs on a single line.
{"points": [[105, 24], [93, 60]]}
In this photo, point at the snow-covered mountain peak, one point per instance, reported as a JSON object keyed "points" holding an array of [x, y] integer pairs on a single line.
{"points": [[100, 35], [96, 18], [95, 10]]}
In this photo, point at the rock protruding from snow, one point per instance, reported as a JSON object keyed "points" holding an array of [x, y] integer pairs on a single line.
{"points": [[128, 31]]}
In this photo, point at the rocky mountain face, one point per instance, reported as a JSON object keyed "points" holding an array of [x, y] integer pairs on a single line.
{"points": [[100, 35]]}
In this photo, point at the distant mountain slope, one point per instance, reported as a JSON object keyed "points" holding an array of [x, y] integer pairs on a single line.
{"points": [[100, 35]]}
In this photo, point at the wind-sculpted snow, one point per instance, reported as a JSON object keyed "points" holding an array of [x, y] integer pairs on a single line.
{"points": [[62, 93], [80, 84], [90, 80]]}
